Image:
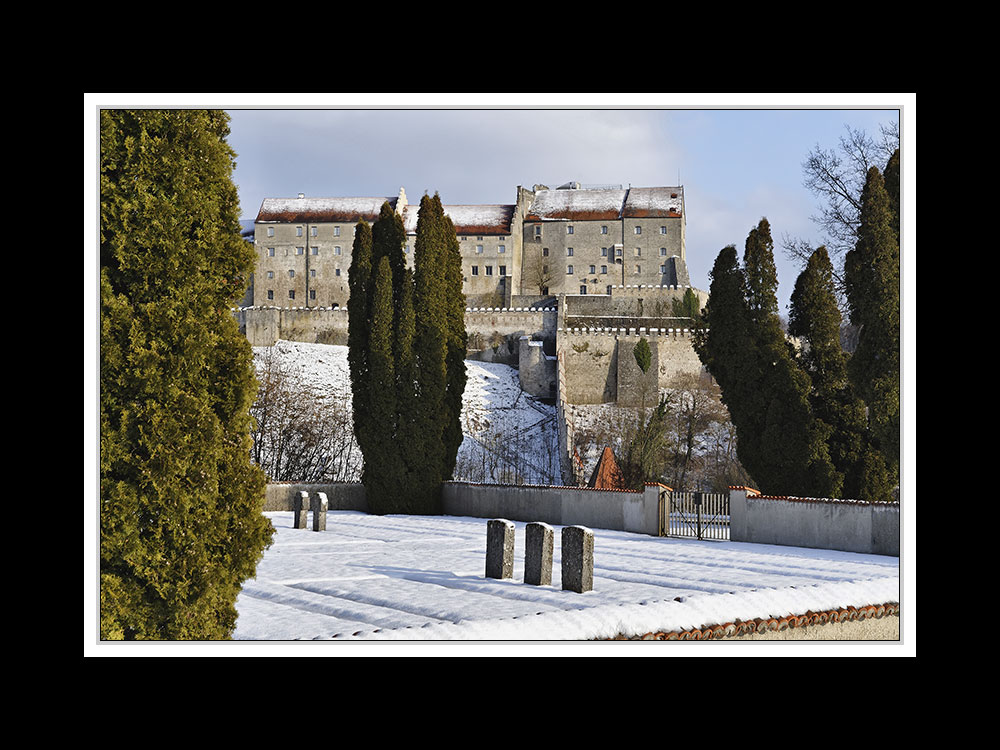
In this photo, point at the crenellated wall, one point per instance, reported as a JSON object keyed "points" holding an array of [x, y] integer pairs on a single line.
{"points": [[601, 367]]}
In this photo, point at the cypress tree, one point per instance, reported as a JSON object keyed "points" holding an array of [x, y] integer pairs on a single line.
{"points": [[430, 348], [780, 443], [457, 343], [181, 503], [871, 274], [358, 328], [815, 317], [383, 470]]}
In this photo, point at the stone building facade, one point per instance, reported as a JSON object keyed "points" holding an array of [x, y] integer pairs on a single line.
{"points": [[568, 240]]}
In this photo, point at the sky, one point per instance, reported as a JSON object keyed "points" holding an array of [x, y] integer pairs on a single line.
{"points": [[738, 160]]}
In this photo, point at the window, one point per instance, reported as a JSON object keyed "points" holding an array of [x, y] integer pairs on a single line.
{"points": [[502, 249], [638, 269], [538, 230], [545, 269], [314, 229], [336, 272], [583, 289], [463, 238], [489, 270], [638, 252], [663, 230], [300, 250], [663, 269], [270, 294], [479, 249], [569, 229], [663, 252], [336, 250], [593, 269], [604, 269], [270, 274], [312, 294], [479, 239], [298, 231], [545, 252], [604, 230], [270, 231], [569, 270], [291, 294], [270, 252], [315, 251], [475, 270], [638, 230], [608, 290], [569, 251], [312, 272], [503, 270], [618, 252], [291, 273], [336, 231]]}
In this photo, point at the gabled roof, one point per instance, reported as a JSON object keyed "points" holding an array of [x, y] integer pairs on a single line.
{"points": [[485, 219], [345, 210], [582, 204], [576, 205], [651, 203], [607, 475]]}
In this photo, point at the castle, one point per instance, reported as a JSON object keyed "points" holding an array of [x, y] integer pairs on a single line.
{"points": [[570, 240], [555, 283]]}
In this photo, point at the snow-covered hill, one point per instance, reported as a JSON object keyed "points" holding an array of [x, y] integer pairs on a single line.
{"points": [[510, 436]]}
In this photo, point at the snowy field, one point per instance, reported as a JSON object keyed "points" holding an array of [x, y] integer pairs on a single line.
{"points": [[414, 578]]}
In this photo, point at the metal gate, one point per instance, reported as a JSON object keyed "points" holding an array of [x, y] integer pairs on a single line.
{"points": [[695, 515]]}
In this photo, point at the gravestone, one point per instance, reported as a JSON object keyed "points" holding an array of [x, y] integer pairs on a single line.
{"points": [[319, 506], [300, 510], [577, 559], [538, 542], [499, 548]]}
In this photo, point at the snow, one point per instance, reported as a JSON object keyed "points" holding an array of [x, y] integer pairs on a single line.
{"points": [[419, 578]]}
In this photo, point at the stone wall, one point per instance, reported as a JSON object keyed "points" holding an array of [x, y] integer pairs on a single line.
{"points": [[847, 525], [601, 367]]}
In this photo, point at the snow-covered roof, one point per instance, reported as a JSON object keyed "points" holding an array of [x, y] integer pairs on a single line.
{"points": [[347, 210], [485, 219], [578, 205], [582, 204], [655, 202]]}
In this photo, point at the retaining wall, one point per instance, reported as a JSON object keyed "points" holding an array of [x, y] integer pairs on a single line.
{"points": [[847, 525]]}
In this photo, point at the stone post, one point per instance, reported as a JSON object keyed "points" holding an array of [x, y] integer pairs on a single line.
{"points": [[577, 559], [538, 554], [319, 506], [499, 548], [300, 510]]}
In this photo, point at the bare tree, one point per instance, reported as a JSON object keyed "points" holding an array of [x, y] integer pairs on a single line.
{"points": [[538, 273], [300, 435], [836, 177]]}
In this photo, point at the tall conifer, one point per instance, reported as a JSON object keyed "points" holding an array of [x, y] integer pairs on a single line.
{"points": [[457, 344], [181, 503], [359, 278], [872, 284]]}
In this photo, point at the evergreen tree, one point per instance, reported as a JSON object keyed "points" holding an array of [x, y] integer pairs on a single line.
{"points": [[359, 278], [872, 283], [687, 307], [456, 346], [891, 177], [815, 317], [181, 503], [780, 443], [383, 469]]}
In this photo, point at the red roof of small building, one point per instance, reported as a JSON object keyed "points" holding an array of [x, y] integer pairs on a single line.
{"points": [[607, 475]]}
